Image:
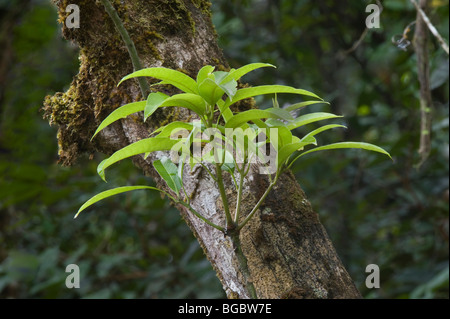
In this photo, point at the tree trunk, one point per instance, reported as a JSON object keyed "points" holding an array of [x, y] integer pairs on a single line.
{"points": [[288, 251]]}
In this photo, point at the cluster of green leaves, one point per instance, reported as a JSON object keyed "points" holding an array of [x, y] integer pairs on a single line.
{"points": [[210, 96]]}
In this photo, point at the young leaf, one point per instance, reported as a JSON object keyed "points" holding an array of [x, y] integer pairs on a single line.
{"points": [[219, 76], [210, 91], [256, 114], [284, 136], [120, 113], [113, 192], [261, 90], [203, 73], [310, 118], [169, 76], [303, 104], [172, 129], [274, 123], [230, 88], [226, 113], [237, 74], [147, 145], [287, 150], [169, 173], [366, 146], [321, 129], [190, 101], [154, 100]]}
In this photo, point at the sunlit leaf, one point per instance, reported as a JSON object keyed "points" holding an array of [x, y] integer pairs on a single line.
{"points": [[169, 173], [203, 73], [287, 150], [311, 118], [230, 88], [190, 101], [321, 129], [303, 104], [237, 74], [357, 145], [169, 76], [172, 129], [120, 113], [210, 91], [256, 114], [154, 101], [219, 76], [147, 145], [264, 89], [110, 193]]}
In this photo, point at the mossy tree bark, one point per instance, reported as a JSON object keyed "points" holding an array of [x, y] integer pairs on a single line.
{"points": [[288, 252]]}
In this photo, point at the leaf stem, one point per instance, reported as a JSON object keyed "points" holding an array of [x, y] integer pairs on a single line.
{"points": [[239, 197], [223, 195], [258, 204], [207, 221]]}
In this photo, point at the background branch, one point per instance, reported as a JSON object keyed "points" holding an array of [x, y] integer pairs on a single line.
{"points": [[423, 73], [430, 26]]}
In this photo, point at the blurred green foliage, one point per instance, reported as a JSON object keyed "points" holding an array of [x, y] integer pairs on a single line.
{"points": [[136, 246]]}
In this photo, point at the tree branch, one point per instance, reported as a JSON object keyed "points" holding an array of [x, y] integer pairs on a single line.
{"points": [[431, 27]]}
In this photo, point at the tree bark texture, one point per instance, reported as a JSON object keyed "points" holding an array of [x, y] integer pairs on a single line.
{"points": [[288, 251]]}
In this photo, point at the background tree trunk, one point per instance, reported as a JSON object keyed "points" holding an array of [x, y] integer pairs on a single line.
{"points": [[289, 253]]}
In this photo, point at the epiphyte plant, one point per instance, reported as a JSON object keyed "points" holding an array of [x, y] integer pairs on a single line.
{"points": [[230, 142]]}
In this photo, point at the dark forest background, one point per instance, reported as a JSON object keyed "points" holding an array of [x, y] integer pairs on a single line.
{"points": [[393, 214]]}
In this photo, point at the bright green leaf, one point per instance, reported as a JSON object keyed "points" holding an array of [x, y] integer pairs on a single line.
{"points": [[287, 150], [255, 114], [226, 113], [210, 91], [264, 89], [169, 76], [230, 88], [219, 76], [169, 173], [120, 113], [203, 73], [112, 192], [321, 129], [311, 118], [154, 101], [303, 104], [172, 129], [274, 123], [284, 136], [358, 145], [237, 74], [190, 101], [147, 145]]}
